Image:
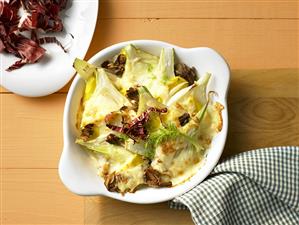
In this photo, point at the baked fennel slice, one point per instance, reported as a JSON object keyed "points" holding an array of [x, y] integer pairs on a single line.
{"points": [[145, 120]]}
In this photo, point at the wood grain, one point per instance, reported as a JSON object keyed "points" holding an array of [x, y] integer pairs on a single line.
{"points": [[257, 122], [264, 83], [31, 131], [243, 43], [37, 196], [259, 39], [120, 213], [246, 44], [198, 9]]}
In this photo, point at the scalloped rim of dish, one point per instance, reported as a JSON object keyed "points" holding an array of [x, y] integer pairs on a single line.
{"points": [[75, 182]]}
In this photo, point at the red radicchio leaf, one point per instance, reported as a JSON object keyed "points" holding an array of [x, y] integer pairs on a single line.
{"points": [[28, 50], [9, 13], [51, 40], [18, 64], [9, 21], [2, 46], [44, 14], [9, 43], [41, 21], [136, 128], [34, 36]]}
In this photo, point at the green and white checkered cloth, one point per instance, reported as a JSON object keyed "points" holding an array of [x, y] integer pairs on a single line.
{"points": [[255, 187]]}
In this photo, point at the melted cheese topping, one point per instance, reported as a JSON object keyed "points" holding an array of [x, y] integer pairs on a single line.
{"points": [[175, 159]]}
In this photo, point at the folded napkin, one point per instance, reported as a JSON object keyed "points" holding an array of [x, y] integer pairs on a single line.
{"points": [[255, 187]]}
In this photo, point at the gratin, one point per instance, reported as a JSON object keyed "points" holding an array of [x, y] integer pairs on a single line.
{"points": [[146, 120]]}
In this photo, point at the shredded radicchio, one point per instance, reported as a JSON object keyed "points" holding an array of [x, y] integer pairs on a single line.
{"points": [[42, 15], [136, 128]]}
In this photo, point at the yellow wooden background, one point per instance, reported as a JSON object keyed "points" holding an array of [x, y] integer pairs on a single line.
{"points": [[259, 39]]}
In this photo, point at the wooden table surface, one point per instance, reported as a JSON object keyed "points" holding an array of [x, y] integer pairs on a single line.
{"points": [[259, 39]]}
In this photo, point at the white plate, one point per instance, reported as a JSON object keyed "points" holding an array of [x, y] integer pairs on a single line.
{"points": [[55, 69], [76, 169]]}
